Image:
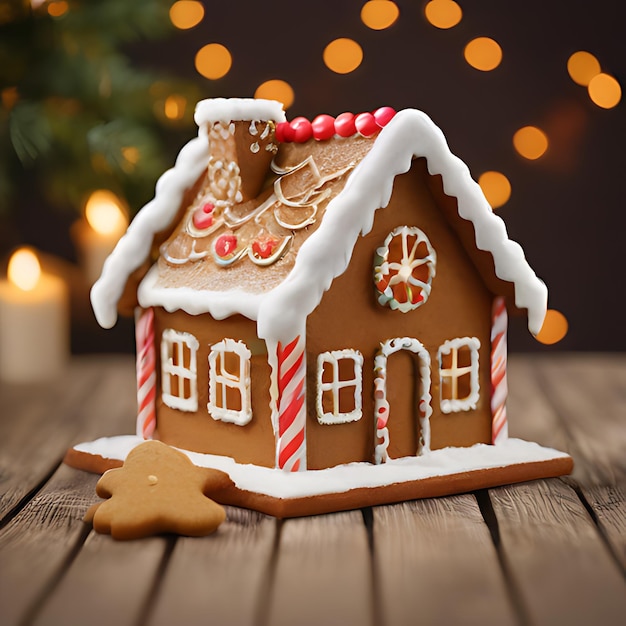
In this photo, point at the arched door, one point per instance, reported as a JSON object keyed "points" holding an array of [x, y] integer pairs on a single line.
{"points": [[420, 388]]}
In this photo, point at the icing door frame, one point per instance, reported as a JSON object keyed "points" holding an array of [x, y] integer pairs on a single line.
{"points": [[381, 406]]}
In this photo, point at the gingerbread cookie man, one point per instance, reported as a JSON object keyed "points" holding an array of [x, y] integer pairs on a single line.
{"points": [[158, 490]]}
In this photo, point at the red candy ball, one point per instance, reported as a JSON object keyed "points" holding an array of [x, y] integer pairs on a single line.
{"points": [[344, 125], [302, 129], [323, 127], [383, 115], [284, 132], [366, 124]]}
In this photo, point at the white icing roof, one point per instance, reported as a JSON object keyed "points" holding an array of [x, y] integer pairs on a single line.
{"points": [[281, 313]]}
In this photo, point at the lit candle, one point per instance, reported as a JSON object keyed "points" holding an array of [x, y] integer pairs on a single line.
{"points": [[34, 332], [96, 235]]}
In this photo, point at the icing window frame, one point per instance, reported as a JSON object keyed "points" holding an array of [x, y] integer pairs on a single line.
{"points": [[454, 374], [175, 366], [221, 381], [397, 276], [336, 384]]}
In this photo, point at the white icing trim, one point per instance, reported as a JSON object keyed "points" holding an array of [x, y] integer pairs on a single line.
{"points": [[227, 110], [327, 252], [240, 382], [333, 358], [175, 340], [455, 404], [381, 406], [404, 268]]}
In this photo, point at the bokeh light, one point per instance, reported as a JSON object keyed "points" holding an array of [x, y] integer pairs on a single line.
{"points": [[276, 89], [186, 14], [24, 269], [174, 107], [483, 53], [443, 13], [213, 61], [343, 55], [530, 142], [555, 327], [582, 67], [57, 8], [496, 187], [379, 14], [604, 91]]}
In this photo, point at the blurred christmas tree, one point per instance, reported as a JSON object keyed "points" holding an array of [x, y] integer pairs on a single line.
{"points": [[76, 114]]}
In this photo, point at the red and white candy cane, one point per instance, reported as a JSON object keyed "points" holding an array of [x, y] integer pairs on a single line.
{"points": [[291, 445], [499, 424], [146, 374]]}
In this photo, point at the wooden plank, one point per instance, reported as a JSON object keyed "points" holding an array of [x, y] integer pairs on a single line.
{"points": [[557, 561], [609, 509], [109, 582], [219, 579], [41, 421], [323, 572], [435, 563], [39, 542], [36, 545], [589, 394]]}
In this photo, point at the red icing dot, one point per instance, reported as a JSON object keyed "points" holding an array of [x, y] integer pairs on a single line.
{"points": [[383, 115], [264, 246], [344, 125], [366, 124], [203, 216], [323, 127], [225, 245], [302, 129], [284, 132]]}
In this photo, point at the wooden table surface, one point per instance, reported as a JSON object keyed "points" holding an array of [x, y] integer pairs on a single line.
{"points": [[545, 552]]}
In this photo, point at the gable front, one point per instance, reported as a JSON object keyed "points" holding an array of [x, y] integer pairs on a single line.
{"points": [[349, 316]]}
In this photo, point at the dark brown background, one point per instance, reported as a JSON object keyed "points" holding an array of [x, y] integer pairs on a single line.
{"points": [[567, 209]]}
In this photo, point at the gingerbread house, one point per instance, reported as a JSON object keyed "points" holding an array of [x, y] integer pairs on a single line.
{"points": [[312, 296]]}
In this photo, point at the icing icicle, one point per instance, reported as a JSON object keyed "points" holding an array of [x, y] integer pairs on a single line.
{"points": [[499, 429], [146, 374]]}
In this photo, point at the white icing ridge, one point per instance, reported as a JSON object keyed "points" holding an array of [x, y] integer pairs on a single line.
{"points": [[227, 110], [280, 484], [281, 312]]}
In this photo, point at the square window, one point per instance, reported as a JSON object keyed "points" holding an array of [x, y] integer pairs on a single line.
{"points": [[179, 388], [339, 386], [229, 382], [458, 373]]}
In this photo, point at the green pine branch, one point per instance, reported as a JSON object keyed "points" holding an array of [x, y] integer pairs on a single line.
{"points": [[76, 114]]}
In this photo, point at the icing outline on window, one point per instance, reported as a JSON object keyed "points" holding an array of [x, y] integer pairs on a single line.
{"points": [[239, 381], [394, 278], [333, 357], [454, 373], [174, 340]]}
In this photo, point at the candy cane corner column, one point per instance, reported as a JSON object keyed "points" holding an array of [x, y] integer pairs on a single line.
{"points": [[146, 372], [291, 439], [499, 390]]}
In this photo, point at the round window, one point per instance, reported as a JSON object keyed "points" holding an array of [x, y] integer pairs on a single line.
{"points": [[404, 269]]}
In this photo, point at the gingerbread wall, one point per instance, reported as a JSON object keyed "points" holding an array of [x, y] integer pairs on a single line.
{"points": [[350, 317], [251, 443]]}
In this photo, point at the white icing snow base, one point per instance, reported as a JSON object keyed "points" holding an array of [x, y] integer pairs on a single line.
{"points": [[280, 484]]}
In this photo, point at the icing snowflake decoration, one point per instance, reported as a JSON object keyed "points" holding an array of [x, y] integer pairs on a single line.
{"points": [[404, 269]]}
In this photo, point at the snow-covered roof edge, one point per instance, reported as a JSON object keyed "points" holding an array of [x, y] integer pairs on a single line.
{"points": [[326, 254]]}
